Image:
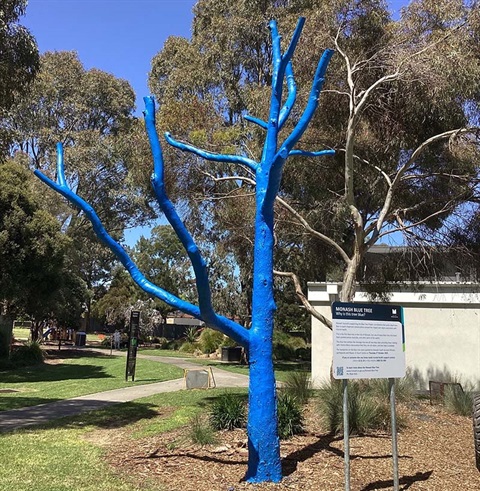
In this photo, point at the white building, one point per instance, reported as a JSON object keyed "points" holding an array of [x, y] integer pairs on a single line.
{"points": [[442, 330]]}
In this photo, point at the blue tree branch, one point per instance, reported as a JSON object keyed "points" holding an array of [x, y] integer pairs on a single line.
{"points": [[62, 188], [292, 96], [306, 153], [312, 103], [214, 157], [198, 263], [287, 57], [256, 121]]}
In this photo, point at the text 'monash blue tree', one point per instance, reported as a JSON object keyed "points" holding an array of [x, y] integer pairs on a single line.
{"points": [[264, 450]]}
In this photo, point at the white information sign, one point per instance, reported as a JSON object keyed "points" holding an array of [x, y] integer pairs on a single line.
{"points": [[368, 341]]}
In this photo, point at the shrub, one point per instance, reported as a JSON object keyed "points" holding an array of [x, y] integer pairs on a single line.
{"points": [[188, 347], [366, 412], [210, 340], [285, 347], [299, 386], [404, 388], [201, 431], [191, 334], [458, 401], [28, 354], [289, 416], [228, 412], [162, 342]]}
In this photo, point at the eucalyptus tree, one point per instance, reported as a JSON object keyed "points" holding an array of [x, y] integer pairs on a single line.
{"points": [[401, 109], [19, 59], [264, 462], [91, 113], [18, 52], [33, 278]]}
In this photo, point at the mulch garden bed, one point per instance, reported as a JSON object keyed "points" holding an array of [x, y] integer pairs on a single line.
{"points": [[435, 453]]}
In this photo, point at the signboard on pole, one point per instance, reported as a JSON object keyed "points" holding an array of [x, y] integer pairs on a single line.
{"points": [[368, 341], [132, 344]]}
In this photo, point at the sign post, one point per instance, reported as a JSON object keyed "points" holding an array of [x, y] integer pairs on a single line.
{"points": [[132, 344], [368, 342]]}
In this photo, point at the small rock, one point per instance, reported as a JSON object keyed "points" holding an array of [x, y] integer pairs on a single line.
{"points": [[220, 449]]}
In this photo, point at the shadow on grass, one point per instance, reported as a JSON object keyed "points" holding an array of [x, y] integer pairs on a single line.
{"points": [[99, 414], [52, 372], [111, 416]]}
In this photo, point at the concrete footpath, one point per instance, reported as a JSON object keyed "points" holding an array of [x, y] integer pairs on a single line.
{"points": [[36, 415]]}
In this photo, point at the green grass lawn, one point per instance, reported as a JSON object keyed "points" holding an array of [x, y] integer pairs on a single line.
{"points": [[282, 368], [83, 374], [60, 457], [164, 352]]}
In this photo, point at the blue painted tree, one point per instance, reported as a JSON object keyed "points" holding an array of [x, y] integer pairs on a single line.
{"points": [[264, 450]]}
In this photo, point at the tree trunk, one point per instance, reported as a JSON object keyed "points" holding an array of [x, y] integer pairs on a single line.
{"points": [[264, 462], [349, 279]]}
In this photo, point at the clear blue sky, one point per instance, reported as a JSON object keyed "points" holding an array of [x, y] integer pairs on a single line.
{"points": [[117, 36]]}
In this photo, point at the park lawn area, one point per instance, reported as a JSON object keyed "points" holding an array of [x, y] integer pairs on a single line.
{"points": [[282, 368], [164, 352], [65, 455], [70, 374]]}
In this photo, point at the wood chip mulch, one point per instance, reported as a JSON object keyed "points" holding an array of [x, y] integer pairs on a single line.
{"points": [[435, 453]]}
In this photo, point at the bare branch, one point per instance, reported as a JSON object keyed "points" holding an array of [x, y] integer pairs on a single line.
{"points": [[303, 298]]}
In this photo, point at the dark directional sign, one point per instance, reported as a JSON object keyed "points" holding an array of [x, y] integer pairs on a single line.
{"points": [[132, 344]]}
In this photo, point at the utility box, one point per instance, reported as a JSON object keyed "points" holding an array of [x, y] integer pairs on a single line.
{"points": [[80, 338], [232, 354]]}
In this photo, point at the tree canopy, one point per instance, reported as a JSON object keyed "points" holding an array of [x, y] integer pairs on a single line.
{"points": [[18, 53], [400, 108], [33, 278], [91, 113]]}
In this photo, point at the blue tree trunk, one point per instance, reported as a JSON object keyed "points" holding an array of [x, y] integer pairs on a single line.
{"points": [[264, 462]]}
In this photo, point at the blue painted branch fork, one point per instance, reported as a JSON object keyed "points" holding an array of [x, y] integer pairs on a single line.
{"points": [[264, 462]]}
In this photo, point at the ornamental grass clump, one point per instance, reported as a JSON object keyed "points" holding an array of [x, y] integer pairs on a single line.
{"points": [[299, 386], [290, 417], [366, 411], [229, 411], [200, 430], [459, 401]]}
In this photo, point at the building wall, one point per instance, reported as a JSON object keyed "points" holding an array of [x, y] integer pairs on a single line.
{"points": [[442, 331]]}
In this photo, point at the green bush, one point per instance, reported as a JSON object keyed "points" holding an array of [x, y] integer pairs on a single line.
{"points": [[285, 347], [229, 411], [174, 344], [366, 412], [299, 386], [191, 334], [210, 340], [28, 354], [201, 431], [161, 342], [289, 416], [188, 347]]}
